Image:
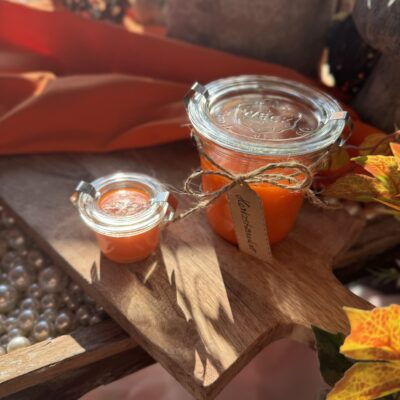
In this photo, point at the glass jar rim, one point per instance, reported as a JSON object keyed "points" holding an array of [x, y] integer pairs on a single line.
{"points": [[327, 109], [119, 226]]}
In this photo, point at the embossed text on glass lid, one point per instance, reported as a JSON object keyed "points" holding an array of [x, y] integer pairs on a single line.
{"points": [[260, 115]]}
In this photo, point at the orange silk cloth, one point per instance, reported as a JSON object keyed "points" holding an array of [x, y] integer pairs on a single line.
{"points": [[72, 84]]}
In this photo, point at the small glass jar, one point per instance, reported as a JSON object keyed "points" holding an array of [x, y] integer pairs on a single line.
{"points": [[126, 211], [247, 122]]}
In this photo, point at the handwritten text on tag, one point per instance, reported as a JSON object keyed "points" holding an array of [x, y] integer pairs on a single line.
{"points": [[248, 218]]}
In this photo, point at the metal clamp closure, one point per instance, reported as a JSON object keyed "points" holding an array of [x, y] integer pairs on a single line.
{"points": [[195, 88], [343, 115], [83, 187], [170, 199]]}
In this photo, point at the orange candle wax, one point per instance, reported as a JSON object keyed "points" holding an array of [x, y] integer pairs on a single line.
{"points": [[124, 249], [281, 206]]}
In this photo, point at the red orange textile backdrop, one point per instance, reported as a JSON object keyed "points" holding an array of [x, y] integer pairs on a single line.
{"points": [[71, 84]]}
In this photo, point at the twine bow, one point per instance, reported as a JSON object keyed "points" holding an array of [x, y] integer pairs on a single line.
{"points": [[300, 178]]}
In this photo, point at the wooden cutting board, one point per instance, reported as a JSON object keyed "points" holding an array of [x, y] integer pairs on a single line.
{"points": [[199, 306]]}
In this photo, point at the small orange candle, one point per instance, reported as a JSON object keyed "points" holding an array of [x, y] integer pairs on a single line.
{"points": [[122, 203], [126, 212], [247, 122]]}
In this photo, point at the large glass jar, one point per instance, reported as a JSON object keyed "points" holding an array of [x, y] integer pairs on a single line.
{"points": [[246, 122]]}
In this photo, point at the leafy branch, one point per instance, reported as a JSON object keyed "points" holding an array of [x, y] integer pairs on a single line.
{"points": [[366, 364], [381, 184]]}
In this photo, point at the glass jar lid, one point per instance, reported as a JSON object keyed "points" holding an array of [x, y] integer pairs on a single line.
{"points": [[265, 115], [130, 214]]}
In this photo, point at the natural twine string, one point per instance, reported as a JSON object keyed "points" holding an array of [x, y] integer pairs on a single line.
{"points": [[300, 179]]}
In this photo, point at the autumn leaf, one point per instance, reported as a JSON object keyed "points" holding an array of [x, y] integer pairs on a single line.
{"points": [[395, 147], [382, 185], [339, 162], [376, 144], [374, 342], [361, 131], [391, 203], [375, 335], [356, 187], [383, 168], [367, 381], [338, 158]]}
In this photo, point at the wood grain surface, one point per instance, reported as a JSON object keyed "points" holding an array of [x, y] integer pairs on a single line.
{"points": [[199, 306], [70, 365], [54, 358], [76, 382]]}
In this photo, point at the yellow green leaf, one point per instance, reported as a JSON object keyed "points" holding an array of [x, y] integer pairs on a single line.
{"points": [[376, 143], [392, 203], [375, 342], [368, 381], [338, 158], [395, 147], [384, 185], [375, 335], [356, 187], [384, 168]]}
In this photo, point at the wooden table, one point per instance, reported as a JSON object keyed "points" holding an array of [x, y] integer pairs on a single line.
{"points": [[199, 307]]}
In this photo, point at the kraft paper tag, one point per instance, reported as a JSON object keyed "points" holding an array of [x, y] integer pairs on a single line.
{"points": [[248, 218]]}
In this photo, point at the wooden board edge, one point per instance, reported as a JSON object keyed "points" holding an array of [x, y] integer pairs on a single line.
{"points": [[76, 382], [46, 360]]}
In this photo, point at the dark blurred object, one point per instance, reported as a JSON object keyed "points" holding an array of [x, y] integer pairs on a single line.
{"points": [[109, 10], [381, 272], [387, 279], [350, 58], [378, 101], [148, 12], [376, 280], [286, 32], [345, 7]]}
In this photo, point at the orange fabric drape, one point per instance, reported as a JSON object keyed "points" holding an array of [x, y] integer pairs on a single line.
{"points": [[98, 87]]}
